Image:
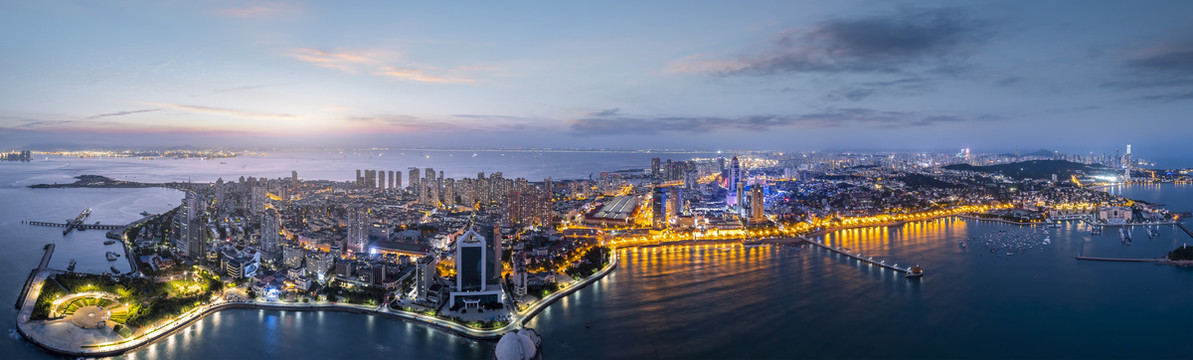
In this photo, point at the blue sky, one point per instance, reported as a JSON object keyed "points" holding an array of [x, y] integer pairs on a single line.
{"points": [[790, 75]]}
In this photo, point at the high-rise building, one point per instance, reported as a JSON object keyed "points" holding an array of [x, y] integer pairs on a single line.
{"points": [[757, 213], [740, 196], [654, 168], [293, 176], [360, 180], [358, 229], [397, 179], [414, 177], [658, 207], [292, 256], [391, 179], [674, 203], [477, 277], [424, 277], [381, 179], [519, 275], [271, 238], [449, 193]]}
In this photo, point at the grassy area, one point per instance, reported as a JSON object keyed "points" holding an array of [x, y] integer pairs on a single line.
{"points": [[147, 301]]}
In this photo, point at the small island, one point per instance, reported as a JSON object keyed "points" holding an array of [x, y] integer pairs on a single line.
{"points": [[1182, 256], [97, 181]]}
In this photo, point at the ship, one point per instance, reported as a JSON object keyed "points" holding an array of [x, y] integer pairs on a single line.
{"points": [[114, 270], [109, 242], [111, 256], [915, 272]]}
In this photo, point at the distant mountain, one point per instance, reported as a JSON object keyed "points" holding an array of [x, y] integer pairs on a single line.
{"points": [[1037, 153], [1035, 169]]}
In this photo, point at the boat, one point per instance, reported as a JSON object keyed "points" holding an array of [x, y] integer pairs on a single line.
{"points": [[109, 242], [111, 256], [587, 324], [145, 213], [751, 243], [114, 270], [71, 267], [915, 272]]}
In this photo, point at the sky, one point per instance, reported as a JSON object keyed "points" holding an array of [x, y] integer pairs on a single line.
{"points": [[1074, 76]]}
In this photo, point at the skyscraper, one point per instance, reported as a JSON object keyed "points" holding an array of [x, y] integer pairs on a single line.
{"points": [[391, 179], [477, 271], [414, 184], [757, 213], [358, 229], [654, 168], [271, 238], [658, 207]]}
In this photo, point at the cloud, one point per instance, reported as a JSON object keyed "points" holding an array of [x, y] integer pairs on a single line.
{"points": [[490, 117], [419, 75], [878, 44], [607, 112], [242, 88], [226, 112], [120, 113], [262, 9], [626, 125], [382, 63], [1163, 73], [343, 60], [865, 90]]}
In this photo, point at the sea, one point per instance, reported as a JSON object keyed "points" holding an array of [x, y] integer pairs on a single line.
{"points": [[776, 301]]}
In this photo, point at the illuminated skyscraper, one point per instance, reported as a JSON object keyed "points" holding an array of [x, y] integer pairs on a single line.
{"points": [[757, 213], [478, 271], [358, 229]]}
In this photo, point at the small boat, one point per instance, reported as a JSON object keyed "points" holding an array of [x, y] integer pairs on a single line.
{"points": [[114, 270], [915, 272], [71, 267], [109, 242], [145, 213], [111, 256], [587, 324]]}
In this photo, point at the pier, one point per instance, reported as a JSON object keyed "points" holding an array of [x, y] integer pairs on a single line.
{"points": [[859, 257], [77, 223], [1079, 257]]}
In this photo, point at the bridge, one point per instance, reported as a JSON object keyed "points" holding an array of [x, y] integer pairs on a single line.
{"points": [[860, 257]]}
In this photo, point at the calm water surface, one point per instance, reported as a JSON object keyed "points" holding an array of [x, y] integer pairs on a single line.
{"points": [[705, 302]]}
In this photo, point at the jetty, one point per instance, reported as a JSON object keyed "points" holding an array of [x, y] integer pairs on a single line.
{"points": [[860, 257], [45, 260], [1186, 229]]}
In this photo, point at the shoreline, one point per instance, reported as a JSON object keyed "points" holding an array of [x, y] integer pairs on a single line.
{"points": [[185, 320]]}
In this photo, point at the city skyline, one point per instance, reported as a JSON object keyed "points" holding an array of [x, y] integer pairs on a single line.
{"points": [[922, 76]]}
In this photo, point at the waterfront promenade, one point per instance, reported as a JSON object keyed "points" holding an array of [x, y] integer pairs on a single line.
{"points": [[75, 343]]}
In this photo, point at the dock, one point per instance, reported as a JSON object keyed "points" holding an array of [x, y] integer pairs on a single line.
{"points": [[77, 223], [859, 257]]}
